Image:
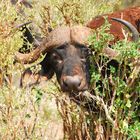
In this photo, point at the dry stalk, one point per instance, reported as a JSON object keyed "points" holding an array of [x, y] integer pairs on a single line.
{"points": [[113, 95], [104, 106], [134, 73], [47, 20], [25, 132], [35, 119], [65, 16], [68, 14]]}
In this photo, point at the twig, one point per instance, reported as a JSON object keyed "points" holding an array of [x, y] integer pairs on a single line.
{"points": [[35, 119], [113, 96], [62, 10], [134, 73], [104, 106]]}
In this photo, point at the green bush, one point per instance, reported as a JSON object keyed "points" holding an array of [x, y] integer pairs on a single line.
{"points": [[120, 92]]}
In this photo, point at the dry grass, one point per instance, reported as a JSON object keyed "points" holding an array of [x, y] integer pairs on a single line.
{"points": [[43, 112]]}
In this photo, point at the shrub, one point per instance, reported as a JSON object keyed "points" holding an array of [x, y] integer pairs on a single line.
{"points": [[113, 98]]}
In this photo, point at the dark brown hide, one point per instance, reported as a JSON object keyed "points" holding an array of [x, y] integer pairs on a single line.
{"points": [[70, 64]]}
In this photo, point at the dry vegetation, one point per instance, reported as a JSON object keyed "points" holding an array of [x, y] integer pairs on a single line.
{"points": [[43, 112]]}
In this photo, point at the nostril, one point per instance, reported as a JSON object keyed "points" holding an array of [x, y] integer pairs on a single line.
{"points": [[72, 82], [77, 82]]}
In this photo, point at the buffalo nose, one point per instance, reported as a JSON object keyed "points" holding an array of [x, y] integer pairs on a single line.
{"points": [[72, 82]]}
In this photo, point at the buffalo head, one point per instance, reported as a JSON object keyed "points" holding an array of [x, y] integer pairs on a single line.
{"points": [[66, 55]]}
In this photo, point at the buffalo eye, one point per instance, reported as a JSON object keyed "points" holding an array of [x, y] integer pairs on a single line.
{"points": [[56, 58]]}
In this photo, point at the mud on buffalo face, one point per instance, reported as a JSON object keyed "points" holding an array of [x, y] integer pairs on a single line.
{"points": [[71, 65]]}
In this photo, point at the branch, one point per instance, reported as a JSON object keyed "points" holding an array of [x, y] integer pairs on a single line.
{"points": [[134, 73], [104, 106]]}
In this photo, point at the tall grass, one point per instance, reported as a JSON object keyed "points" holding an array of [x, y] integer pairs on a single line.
{"points": [[43, 111]]}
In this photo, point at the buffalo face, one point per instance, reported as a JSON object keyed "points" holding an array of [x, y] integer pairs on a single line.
{"points": [[71, 64], [67, 55]]}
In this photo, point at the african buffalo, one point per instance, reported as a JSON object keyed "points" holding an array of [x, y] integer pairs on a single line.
{"points": [[66, 52]]}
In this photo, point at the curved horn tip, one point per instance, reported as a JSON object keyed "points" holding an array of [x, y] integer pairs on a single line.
{"points": [[23, 24], [135, 33]]}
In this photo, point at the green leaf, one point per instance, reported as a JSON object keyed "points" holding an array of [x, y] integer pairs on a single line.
{"points": [[128, 104]]}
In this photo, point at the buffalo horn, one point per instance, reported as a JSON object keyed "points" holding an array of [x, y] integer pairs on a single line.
{"points": [[135, 33], [59, 36], [76, 34], [55, 38]]}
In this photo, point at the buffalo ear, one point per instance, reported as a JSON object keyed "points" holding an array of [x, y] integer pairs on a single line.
{"points": [[31, 76], [47, 67]]}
